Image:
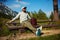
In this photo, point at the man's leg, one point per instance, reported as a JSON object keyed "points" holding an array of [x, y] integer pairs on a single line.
{"points": [[28, 25]]}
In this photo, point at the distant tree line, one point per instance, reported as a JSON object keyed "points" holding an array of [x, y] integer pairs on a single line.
{"points": [[40, 15]]}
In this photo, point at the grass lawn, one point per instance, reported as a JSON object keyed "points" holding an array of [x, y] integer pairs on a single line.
{"points": [[51, 37]]}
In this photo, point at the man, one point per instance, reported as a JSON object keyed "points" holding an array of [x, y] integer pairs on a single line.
{"points": [[24, 17]]}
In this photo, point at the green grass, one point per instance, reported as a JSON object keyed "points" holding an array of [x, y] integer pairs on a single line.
{"points": [[51, 37]]}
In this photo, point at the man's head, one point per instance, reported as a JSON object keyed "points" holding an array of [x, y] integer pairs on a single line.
{"points": [[24, 9]]}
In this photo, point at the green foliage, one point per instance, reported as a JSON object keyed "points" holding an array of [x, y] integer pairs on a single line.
{"points": [[2, 15], [3, 28], [39, 15], [4, 31], [35, 15], [42, 15], [51, 16]]}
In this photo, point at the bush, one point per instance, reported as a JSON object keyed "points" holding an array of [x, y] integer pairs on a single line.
{"points": [[4, 31], [3, 28]]}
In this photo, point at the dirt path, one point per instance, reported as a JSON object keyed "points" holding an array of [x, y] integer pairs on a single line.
{"points": [[31, 35]]}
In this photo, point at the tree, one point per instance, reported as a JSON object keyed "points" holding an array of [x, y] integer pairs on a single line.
{"points": [[42, 15], [55, 6], [59, 13], [35, 14], [2, 15], [51, 16]]}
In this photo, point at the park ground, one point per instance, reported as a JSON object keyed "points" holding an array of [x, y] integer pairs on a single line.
{"points": [[31, 36]]}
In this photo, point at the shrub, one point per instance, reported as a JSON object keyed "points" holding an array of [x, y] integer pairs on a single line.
{"points": [[3, 28]]}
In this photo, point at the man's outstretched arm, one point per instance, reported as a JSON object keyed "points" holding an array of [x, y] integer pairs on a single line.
{"points": [[15, 17]]}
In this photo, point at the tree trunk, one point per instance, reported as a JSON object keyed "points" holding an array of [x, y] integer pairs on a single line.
{"points": [[55, 6]]}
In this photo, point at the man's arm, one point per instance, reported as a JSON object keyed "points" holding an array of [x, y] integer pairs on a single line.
{"points": [[15, 17], [29, 16]]}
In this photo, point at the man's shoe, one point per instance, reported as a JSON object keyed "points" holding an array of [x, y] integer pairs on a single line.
{"points": [[38, 32]]}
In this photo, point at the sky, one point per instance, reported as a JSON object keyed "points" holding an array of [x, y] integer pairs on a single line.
{"points": [[32, 5], [58, 3]]}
